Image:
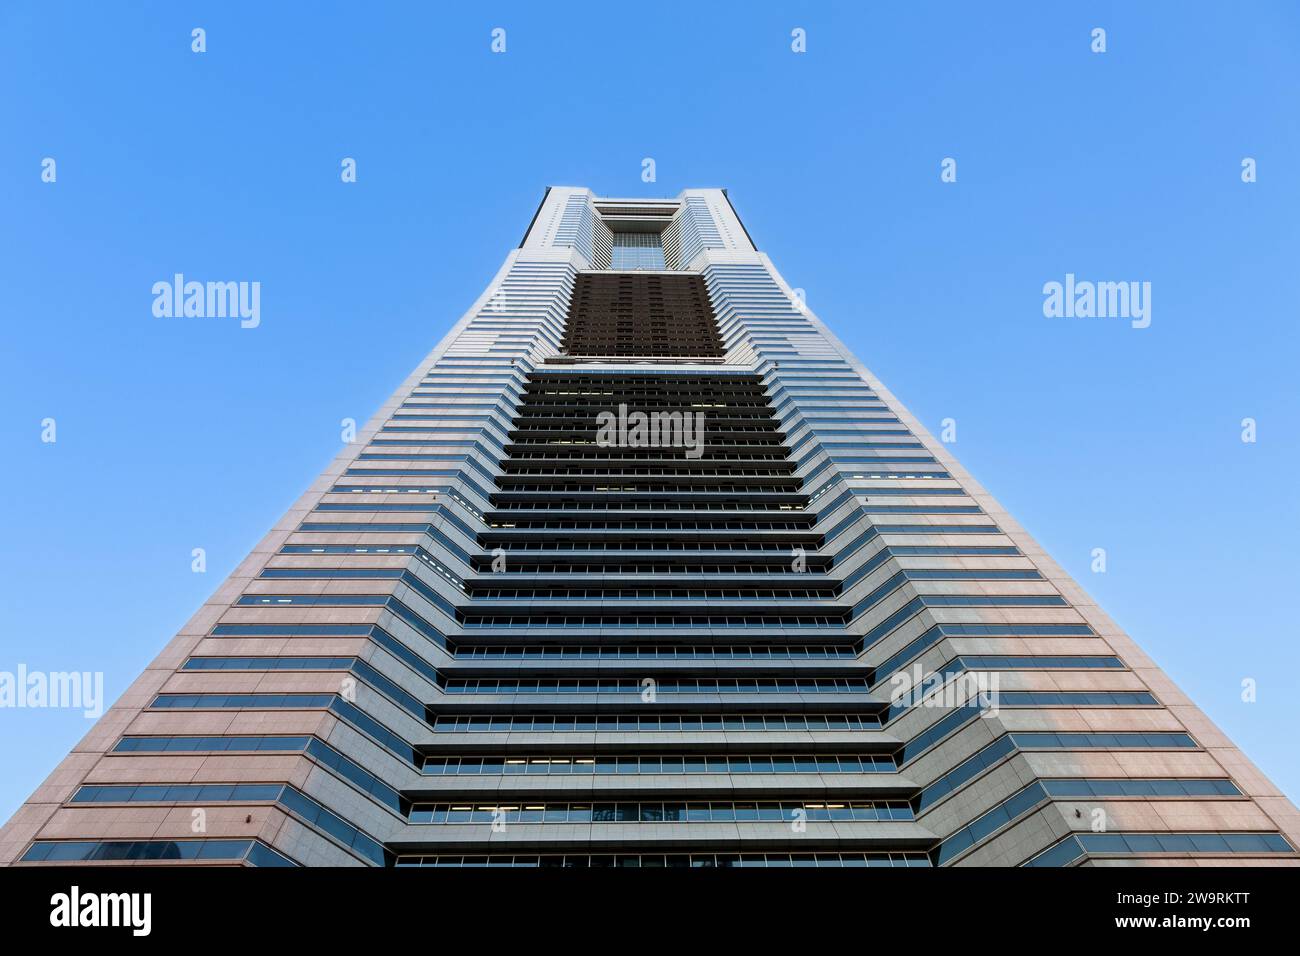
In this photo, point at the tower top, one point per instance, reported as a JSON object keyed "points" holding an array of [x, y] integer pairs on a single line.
{"points": [[696, 219]]}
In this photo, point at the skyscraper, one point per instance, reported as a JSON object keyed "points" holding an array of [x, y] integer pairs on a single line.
{"points": [[642, 567]]}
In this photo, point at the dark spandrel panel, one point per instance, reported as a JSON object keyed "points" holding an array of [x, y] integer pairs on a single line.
{"points": [[644, 315]]}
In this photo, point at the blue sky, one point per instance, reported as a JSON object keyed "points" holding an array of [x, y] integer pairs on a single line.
{"points": [[182, 433]]}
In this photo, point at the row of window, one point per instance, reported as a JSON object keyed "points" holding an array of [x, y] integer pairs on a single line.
{"points": [[680, 723], [845, 424], [666, 451], [555, 416], [697, 860], [318, 749], [315, 815], [561, 621], [922, 528], [343, 708], [650, 545], [390, 489], [937, 731], [1065, 788], [1087, 698], [994, 752], [758, 652], [788, 488], [292, 630], [658, 425], [268, 663], [663, 812], [615, 593], [918, 550], [1152, 740], [814, 437], [969, 662], [388, 527], [668, 685], [913, 606], [237, 701], [612, 591], [481, 432], [419, 507], [342, 600], [964, 772], [374, 632], [517, 475], [253, 852], [211, 744], [1079, 845], [895, 581], [1016, 662], [413, 549], [443, 407], [652, 764], [999, 816], [1041, 791], [703, 685], [834, 449], [399, 695], [595, 453], [576, 569], [350, 549], [878, 509], [1029, 740], [939, 632], [516, 505], [328, 822], [452, 459], [621, 503], [629, 525], [179, 793], [650, 723], [701, 394], [420, 528], [977, 600]]}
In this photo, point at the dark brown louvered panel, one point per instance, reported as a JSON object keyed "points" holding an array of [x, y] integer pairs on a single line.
{"points": [[641, 315], [661, 211], [573, 515]]}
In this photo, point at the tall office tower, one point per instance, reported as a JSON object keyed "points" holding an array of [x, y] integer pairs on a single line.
{"points": [[641, 567]]}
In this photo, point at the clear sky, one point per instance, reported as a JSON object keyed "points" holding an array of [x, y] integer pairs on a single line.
{"points": [[180, 433]]}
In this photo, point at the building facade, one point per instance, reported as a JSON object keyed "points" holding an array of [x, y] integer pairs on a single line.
{"points": [[641, 567]]}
